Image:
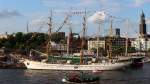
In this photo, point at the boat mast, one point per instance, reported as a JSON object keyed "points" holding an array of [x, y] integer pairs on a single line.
{"points": [[126, 51], [49, 35], [70, 37], [111, 27], [69, 40], [98, 36], [110, 38], [83, 38]]}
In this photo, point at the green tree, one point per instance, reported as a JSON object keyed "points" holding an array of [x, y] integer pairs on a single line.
{"points": [[94, 50], [131, 49], [7, 44], [118, 50], [56, 37], [19, 37]]}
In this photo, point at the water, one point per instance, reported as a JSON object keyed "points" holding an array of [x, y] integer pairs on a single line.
{"points": [[22, 76]]}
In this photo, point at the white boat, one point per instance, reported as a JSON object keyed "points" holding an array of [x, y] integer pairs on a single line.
{"points": [[91, 67]]}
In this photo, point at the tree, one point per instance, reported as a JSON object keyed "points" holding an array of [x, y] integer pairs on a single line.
{"points": [[131, 49], [25, 42], [118, 50], [19, 37], [7, 44], [94, 50], [56, 37]]}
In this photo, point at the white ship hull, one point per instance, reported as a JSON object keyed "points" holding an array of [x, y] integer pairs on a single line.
{"points": [[96, 66]]}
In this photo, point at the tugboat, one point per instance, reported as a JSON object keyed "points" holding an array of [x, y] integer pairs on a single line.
{"points": [[81, 77]]}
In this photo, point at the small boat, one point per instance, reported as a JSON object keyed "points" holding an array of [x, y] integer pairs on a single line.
{"points": [[80, 78], [137, 61]]}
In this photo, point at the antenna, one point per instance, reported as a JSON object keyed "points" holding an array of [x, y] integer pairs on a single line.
{"points": [[27, 27]]}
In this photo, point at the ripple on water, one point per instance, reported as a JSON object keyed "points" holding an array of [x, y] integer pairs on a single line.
{"points": [[22, 76]]}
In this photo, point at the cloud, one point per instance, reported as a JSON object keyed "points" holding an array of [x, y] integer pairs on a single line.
{"points": [[9, 13], [98, 16]]}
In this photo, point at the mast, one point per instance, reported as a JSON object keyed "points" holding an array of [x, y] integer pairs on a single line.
{"points": [[111, 27], [49, 35], [110, 38], [126, 51], [98, 36], [69, 39], [83, 38]]}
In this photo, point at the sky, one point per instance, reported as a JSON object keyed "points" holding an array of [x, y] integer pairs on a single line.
{"points": [[15, 14]]}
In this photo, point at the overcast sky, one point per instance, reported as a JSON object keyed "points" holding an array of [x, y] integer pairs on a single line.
{"points": [[14, 14]]}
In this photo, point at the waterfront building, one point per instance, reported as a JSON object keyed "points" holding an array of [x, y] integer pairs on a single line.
{"points": [[4, 36], [142, 43], [116, 40], [93, 43], [103, 41]]}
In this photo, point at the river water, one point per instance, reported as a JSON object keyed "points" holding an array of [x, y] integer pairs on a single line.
{"points": [[23, 76]]}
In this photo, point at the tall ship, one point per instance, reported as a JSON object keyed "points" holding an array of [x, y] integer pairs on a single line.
{"points": [[70, 62]]}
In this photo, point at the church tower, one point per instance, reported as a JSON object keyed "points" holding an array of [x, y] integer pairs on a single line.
{"points": [[143, 32]]}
